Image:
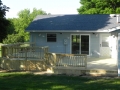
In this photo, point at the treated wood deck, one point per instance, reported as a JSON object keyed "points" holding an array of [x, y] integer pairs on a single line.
{"points": [[101, 63], [38, 58]]}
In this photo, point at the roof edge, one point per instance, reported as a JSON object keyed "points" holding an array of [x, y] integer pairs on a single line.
{"points": [[66, 31]]}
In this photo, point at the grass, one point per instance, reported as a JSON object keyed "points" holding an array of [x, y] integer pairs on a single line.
{"points": [[23, 81]]}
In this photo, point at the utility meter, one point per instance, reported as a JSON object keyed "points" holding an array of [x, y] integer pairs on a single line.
{"points": [[65, 41]]}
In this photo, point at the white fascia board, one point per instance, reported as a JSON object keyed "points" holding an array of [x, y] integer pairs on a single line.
{"points": [[114, 29], [67, 31]]}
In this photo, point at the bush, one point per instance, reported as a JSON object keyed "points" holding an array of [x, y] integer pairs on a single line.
{"points": [[13, 38]]}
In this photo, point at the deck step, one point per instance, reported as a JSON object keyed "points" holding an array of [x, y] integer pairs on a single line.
{"points": [[79, 72], [101, 72]]}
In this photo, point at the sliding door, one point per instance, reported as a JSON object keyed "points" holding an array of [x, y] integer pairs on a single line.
{"points": [[80, 44], [75, 44], [85, 44]]}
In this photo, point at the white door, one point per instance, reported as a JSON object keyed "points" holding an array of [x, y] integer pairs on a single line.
{"points": [[113, 44], [105, 50]]}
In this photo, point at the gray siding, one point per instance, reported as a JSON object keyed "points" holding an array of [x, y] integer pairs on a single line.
{"points": [[95, 45], [41, 40]]}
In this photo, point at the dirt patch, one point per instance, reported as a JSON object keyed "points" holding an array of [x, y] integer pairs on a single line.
{"points": [[2, 70]]}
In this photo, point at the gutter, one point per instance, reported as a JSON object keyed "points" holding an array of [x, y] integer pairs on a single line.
{"points": [[99, 30], [66, 31]]}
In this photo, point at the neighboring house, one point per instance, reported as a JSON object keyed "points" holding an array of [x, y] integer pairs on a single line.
{"points": [[94, 35]]}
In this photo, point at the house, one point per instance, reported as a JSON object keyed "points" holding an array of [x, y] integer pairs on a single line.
{"points": [[91, 38], [94, 35]]}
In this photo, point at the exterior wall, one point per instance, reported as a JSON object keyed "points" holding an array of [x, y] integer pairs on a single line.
{"points": [[59, 47], [95, 45]]}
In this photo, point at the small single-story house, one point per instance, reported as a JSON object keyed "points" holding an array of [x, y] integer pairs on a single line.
{"points": [[94, 35]]}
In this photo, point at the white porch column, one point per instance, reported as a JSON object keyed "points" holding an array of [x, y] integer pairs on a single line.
{"points": [[118, 54]]}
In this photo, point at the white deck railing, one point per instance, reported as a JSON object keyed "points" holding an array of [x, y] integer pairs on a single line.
{"points": [[67, 60], [27, 52]]}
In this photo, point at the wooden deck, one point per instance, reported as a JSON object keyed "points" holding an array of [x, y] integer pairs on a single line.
{"points": [[102, 63], [38, 58], [95, 67]]}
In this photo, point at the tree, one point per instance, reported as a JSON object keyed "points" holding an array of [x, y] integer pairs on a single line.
{"points": [[18, 25], [99, 7], [10, 28], [3, 21]]}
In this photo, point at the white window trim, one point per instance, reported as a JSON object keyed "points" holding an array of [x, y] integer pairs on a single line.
{"points": [[80, 43]]}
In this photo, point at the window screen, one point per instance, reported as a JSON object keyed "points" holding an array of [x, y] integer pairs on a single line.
{"points": [[105, 42], [51, 37]]}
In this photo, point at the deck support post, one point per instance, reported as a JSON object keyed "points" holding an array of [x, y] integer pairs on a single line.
{"points": [[118, 55]]}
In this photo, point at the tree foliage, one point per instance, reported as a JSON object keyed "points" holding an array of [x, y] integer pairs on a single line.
{"points": [[99, 7], [3, 21], [18, 25], [13, 38]]}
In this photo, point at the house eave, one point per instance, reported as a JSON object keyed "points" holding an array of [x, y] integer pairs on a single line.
{"points": [[67, 30], [114, 29]]}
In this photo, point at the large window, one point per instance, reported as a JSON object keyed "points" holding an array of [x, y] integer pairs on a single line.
{"points": [[51, 37]]}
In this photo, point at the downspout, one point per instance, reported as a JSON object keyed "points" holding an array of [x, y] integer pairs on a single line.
{"points": [[117, 18]]}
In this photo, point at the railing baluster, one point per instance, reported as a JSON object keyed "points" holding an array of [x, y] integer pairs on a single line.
{"points": [[82, 61], [73, 60], [58, 59]]}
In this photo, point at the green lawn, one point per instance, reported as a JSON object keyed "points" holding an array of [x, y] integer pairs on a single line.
{"points": [[20, 81]]}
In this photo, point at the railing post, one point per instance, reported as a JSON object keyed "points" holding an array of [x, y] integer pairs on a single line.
{"points": [[25, 58], [54, 58], [85, 61], [2, 51], [25, 53]]}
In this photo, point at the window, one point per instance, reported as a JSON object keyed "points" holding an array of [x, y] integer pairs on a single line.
{"points": [[51, 37], [105, 41]]}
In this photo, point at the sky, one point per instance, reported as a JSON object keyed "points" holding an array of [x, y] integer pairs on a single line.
{"points": [[49, 6]]}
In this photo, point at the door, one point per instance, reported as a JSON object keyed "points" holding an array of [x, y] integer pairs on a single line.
{"points": [[80, 44], [85, 44], [105, 50], [75, 43], [113, 45]]}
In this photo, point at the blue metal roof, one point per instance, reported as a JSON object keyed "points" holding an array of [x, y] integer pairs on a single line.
{"points": [[96, 22]]}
